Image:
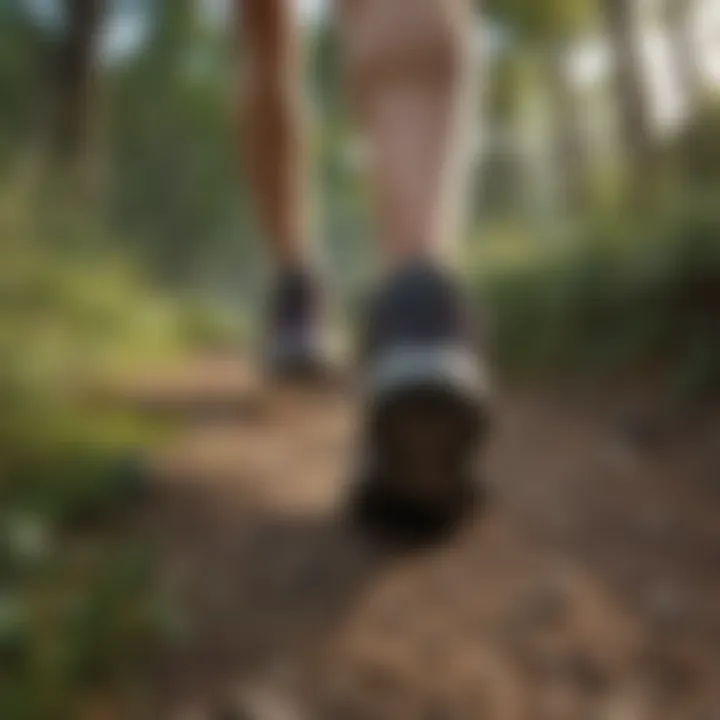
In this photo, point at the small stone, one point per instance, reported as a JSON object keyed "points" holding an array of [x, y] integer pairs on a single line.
{"points": [[642, 432], [666, 605], [622, 707], [261, 703], [544, 607], [588, 674]]}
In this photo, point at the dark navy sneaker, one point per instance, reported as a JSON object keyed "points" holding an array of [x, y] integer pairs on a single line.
{"points": [[295, 344], [426, 411]]}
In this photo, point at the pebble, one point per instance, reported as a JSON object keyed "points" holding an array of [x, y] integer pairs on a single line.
{"points": [[666, 604], [261, 703]]}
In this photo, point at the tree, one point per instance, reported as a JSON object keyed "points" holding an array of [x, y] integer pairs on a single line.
{"points": [[569, 137], [74, 75], [634, 106], [21, 90], [549, 29], [175, 192], [680, 19]]}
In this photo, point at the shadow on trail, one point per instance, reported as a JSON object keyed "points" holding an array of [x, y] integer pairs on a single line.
{"points": [[256, 592]]}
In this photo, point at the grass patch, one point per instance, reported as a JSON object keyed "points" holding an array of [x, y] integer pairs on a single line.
{"points": [[77, 614]]}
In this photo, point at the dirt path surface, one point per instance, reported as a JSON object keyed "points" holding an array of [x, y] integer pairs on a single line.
{"points": [[589, 591]]}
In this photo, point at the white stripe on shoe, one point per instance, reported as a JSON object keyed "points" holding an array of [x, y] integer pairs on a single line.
{"points": [[411, 365]]}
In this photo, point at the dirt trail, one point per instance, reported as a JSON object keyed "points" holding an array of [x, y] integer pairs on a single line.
{"points": [[590, 590]]}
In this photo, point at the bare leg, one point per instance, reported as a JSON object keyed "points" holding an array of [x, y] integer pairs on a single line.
{"points": [[407, 63], [274, 128], [274, 137]]}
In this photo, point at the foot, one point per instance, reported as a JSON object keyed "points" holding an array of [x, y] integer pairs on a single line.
{"points": [[295, 347], [426, 407]]}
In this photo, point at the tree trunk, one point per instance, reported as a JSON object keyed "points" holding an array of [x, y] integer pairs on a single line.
{"points": [[569, 136], [686, 60], [74, 76], [635, 111], [502, 177]]}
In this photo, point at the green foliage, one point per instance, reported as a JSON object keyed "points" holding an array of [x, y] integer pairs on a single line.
{"points": [[611, 296], [21, 50], [74, 629], [76, 609], [696, 151], [552, 20], [175, 187]]}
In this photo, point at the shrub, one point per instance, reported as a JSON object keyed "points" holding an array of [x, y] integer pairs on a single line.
{"points": [[613, 295], [76, 609]]}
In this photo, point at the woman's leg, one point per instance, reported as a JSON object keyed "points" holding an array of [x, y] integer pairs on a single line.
{"points": [[408, 64], [273, 125]]}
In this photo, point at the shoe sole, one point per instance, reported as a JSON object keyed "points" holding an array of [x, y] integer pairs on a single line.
{"points": [[426, 424]]}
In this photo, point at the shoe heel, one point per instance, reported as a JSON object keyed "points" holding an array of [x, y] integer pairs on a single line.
{"points": [[427, 439]]}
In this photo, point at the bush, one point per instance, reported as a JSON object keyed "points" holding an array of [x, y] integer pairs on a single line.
{"points": [[76, 609], [614, 295], [696, 150]]}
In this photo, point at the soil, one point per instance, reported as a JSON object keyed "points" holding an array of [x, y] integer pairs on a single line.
{"points": [[588, 590]]}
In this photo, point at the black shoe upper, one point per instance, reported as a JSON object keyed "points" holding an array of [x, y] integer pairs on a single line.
{"points": [[295, 304], [420, 305], [294, 328]]}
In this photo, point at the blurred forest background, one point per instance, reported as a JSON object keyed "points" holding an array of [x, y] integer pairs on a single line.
{"points": [[127, 236], [597, 118]]}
